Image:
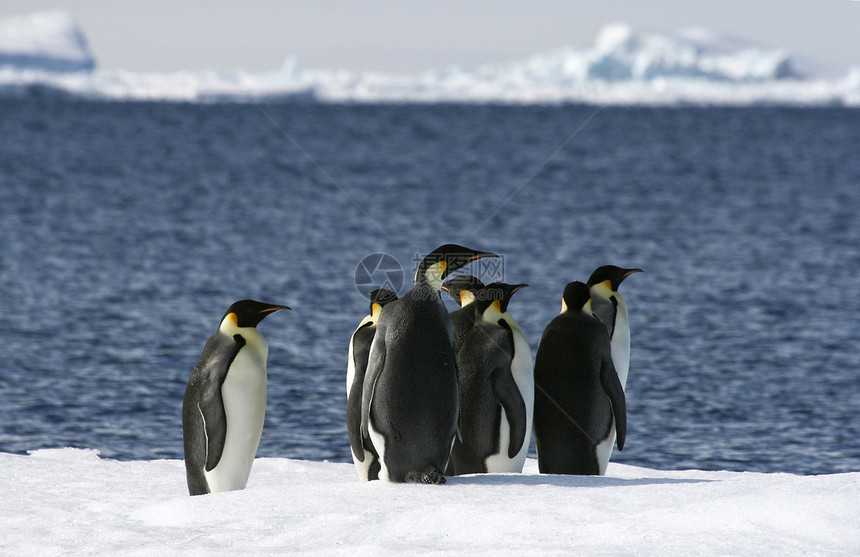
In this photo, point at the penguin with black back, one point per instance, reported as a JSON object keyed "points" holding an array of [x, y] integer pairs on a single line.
{"points": [[363, 454], [496, 388], [410, 399], [225, 402], [609, 307], [579, 396], [463, 289]]}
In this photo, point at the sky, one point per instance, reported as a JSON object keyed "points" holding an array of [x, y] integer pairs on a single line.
{"points": [[412, 36]]}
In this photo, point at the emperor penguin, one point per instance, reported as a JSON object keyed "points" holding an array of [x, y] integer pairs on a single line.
{"points": [[579, 399], [410, 399], [463, 289], [363, 454], [609, 307], [496, 389], [225, 402]]}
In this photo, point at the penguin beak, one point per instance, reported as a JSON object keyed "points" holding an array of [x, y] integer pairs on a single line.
{"points": [[273, 308], [482, 254], [631, 271]]}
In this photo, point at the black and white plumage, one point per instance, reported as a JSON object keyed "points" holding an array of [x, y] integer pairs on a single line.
{"points": [[579, 400], [609, 307], [363, 454], [410, 397], [496, 388], [225, 402]]}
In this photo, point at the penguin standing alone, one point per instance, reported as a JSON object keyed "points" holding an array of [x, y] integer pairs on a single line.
{"points": [[410, 396], [363, 454], [496, 389], [225, 402], [580, 399]]}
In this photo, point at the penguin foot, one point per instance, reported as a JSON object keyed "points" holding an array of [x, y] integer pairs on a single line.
{"points": [[431, 475]]}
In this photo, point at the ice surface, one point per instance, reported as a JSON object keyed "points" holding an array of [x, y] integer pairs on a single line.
{"points": [[69, 501], [44, 41], [626, 65]]}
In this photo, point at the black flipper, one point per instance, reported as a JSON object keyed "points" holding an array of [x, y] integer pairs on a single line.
{"points": [[212, 407], [203, 416], [353, 406], [612, 386], [508, 394], [375, 363]]}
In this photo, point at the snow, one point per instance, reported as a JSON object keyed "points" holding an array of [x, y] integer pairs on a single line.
{"points": [[44, 41], [626, 65], [61, 501]]}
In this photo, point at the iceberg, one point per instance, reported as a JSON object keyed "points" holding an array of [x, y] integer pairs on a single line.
{"points": [[71, 501], [44, 41], [625, 65]]}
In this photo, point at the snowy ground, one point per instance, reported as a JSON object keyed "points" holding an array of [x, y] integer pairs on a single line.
{"points": [[69, 501]]}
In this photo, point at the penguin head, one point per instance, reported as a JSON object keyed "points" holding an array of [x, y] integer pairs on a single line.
{"points": [[443, 261], [378, 299], [611, 275], [576, 296], [496, 296], [249, 313], [463, 288]]}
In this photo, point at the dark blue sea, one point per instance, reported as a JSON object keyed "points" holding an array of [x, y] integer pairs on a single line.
{"points": [[127, 229]]}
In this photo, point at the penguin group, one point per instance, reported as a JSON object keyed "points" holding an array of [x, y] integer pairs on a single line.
{"points": [[433, 394], [430, 393]]}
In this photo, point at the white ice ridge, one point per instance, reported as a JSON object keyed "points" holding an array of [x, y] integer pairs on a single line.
{"points": [[626, 65], [70, 501], [47, 41]]}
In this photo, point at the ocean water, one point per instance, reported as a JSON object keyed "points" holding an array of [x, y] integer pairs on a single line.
{"points": [[127, 229]]}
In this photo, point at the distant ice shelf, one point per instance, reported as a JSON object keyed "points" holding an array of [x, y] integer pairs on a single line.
{"points": [[46, 54], [44, 41]]}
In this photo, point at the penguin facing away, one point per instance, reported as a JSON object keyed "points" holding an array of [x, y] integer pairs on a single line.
{"points": [[463, 289], [609, 307], [579, 396], [225, 402], [496, 389], [410, 398], [363, 454]]}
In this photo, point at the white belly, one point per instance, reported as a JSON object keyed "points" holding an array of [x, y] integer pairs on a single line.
{"points": [[379, 444], [621, 345], [500, 463], [603, 451], [244, 396], [350, 369]]}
